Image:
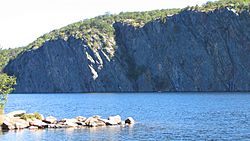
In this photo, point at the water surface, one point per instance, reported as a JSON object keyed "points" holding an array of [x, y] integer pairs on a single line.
{"points": [[159, 116]]}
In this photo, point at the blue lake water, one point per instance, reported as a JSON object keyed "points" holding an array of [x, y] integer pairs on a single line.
{"points": [[159, 116]]}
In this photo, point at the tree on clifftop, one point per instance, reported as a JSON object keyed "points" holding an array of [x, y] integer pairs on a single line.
{"points": [[6, 87]]}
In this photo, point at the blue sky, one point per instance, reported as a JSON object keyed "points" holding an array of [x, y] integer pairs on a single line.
{"points": [[22, 21]]}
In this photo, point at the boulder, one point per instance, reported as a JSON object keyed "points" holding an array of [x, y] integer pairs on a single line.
{"points": [[100, 123], [42, 117], [97, 117], [33, 127], [80, 123], [21, 124], [91, 121], [71, 124], [60, 126], [68, 122], [130, 120], [115, 119], [108, 122], [38, 123], [8, 125], [51, 125], [14, 123], [81, 118], [122, 123], [50, 120], [93, 124], [16, 113], [71, 120], [63, 120]]}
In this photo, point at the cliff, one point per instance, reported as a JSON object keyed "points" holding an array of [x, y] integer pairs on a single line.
{"points": [[189, 51]]}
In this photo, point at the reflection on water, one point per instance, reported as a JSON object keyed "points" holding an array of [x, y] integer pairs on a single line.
{"points": [[95, 133], [158, 116]]}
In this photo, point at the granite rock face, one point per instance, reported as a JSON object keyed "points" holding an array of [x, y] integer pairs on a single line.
{"points": [[191, 51]]}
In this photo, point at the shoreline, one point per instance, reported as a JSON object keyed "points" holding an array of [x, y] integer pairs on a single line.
{"points": [[18, 120]]}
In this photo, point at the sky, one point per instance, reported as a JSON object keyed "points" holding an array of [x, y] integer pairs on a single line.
{"points": [[22, 21]]}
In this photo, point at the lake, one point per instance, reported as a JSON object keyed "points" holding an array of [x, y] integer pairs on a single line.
{"points": [[160, 117]]}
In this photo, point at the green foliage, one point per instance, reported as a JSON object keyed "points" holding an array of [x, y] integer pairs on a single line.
{"points": [[99, 30], [38, 116], [8, 54], [238, 5], [7, 82], [6, 86], [33, 116]]}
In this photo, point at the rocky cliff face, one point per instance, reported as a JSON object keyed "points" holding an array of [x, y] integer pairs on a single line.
{"points": [[191, 51]]}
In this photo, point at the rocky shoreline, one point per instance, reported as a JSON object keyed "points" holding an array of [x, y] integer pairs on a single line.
{"points": [[21, 120]]}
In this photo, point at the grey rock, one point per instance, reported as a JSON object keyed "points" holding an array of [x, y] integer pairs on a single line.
{"points": [[71, 124], [20, 123], [42, 117], [8, 125], [51, 125], [16, 113], [33, 127], [50, 120], [93, 124], [122, 123], [91, 121], [191, 51], [130, 120], [109, 122], [81, 119], [115, 119], [100, 123], [38, 123], [11, 123], [80, 123], [59, 126]]}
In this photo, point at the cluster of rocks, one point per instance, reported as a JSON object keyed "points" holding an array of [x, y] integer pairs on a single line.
{"points": [[15, 121]]}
